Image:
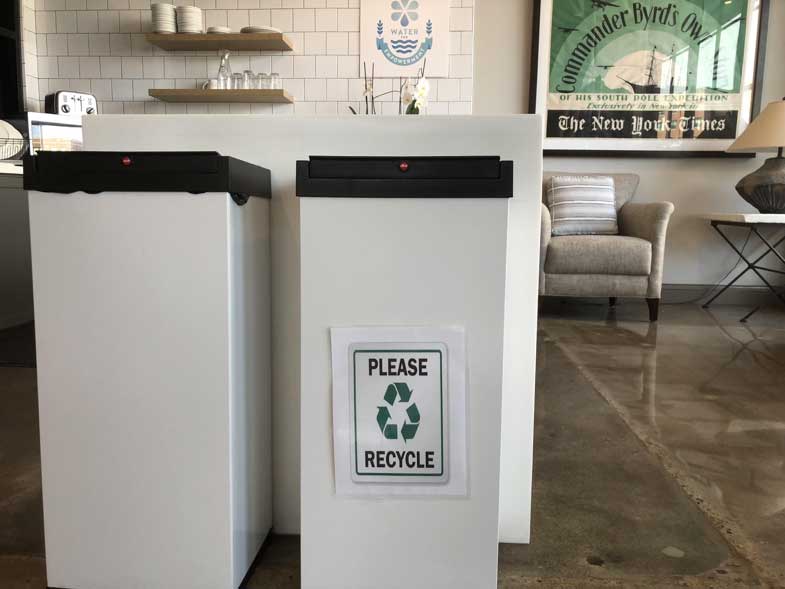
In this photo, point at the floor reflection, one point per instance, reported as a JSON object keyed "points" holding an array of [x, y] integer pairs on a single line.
{"points": [[707, 394]]}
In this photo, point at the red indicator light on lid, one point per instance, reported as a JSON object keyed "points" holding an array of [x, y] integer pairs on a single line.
{"points": [[126, 161], [403, 166]]}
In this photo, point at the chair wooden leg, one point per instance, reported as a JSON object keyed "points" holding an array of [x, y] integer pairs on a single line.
{"points": [[611, 301], [654, 309]]}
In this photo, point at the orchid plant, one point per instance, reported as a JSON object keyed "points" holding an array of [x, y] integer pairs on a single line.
{"points": [[419, 100], [413, 95]]}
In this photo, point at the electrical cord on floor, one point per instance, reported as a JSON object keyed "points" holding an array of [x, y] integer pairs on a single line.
{"points": [[718, 283]]}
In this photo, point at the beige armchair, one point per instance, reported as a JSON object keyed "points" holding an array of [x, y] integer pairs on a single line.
{"points": [[624, 265]]}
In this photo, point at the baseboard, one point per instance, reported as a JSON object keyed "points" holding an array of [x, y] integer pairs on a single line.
{"points": [[758, 296], [673, 294]]}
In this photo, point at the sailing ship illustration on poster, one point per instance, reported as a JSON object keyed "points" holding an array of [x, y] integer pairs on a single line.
{"points": [[646, 68]]}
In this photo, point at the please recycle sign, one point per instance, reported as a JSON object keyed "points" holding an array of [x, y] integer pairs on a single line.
{"points": [[399, 409]]}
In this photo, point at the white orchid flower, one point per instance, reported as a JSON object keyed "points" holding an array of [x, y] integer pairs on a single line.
{"points": [[423, 88], [421, 93]]}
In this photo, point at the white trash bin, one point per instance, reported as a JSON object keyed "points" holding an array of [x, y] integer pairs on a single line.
{"points": [[152, 319], [403, 266]]}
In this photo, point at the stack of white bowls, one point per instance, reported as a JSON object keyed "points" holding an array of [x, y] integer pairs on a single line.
{"points": [[189, 19], [164, 20]]}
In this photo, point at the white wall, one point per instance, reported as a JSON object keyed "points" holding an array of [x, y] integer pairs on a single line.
{"points": [[99, 46], [694, 253], [30, 83], [502, 39]]}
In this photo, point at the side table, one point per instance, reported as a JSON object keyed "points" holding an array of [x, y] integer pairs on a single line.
{"points": [[754, 222]]}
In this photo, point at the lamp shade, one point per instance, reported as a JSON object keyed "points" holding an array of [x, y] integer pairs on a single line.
{"points": [[766, 132]]}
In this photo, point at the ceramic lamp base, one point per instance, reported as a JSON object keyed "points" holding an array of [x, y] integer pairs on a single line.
{"points": [[765, 187]]}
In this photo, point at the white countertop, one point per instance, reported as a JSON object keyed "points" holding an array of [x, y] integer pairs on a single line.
{"points": [[11, 168]]}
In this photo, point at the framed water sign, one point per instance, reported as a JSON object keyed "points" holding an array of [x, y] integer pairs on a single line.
{"points": [[399, 37], [646, 77]]}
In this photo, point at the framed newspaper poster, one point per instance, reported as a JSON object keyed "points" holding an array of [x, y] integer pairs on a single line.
{"points": [[653, 77]]}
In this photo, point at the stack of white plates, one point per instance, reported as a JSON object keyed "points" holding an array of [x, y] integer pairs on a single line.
{"points": [[164, 20], [219, 30], [189, 19], [12, 144]]}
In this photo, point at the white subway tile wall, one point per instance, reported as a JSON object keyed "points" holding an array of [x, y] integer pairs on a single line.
{"points": [[99, 46], [29, 56]]}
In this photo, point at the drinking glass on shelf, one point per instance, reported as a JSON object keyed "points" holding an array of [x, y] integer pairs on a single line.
{"points": [[249, 80], [237, 81], [275, 81], [225, 72], [264, 81]]}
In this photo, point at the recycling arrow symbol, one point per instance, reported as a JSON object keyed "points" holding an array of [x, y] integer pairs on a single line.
{"points": [[401, 392]]}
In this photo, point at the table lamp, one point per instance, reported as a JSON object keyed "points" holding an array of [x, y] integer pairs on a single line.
{"points": [[765, 187]]}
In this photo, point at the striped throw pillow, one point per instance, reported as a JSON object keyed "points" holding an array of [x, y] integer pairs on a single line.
{"points": [[582, 205]]}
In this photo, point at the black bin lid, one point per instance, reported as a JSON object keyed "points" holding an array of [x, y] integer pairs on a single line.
{"points": [[406, 177], [144, 171]]}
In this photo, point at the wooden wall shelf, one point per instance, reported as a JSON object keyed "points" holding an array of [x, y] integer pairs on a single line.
{"points": [[196, 95], [213, 41]]}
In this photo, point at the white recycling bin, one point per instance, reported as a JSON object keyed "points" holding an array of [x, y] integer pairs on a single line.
{"points": [[402, 312], [152, 317]]}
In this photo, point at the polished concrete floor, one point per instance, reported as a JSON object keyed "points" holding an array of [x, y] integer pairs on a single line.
{"points": [[705, 394], [659, 456], [605, 513]]}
